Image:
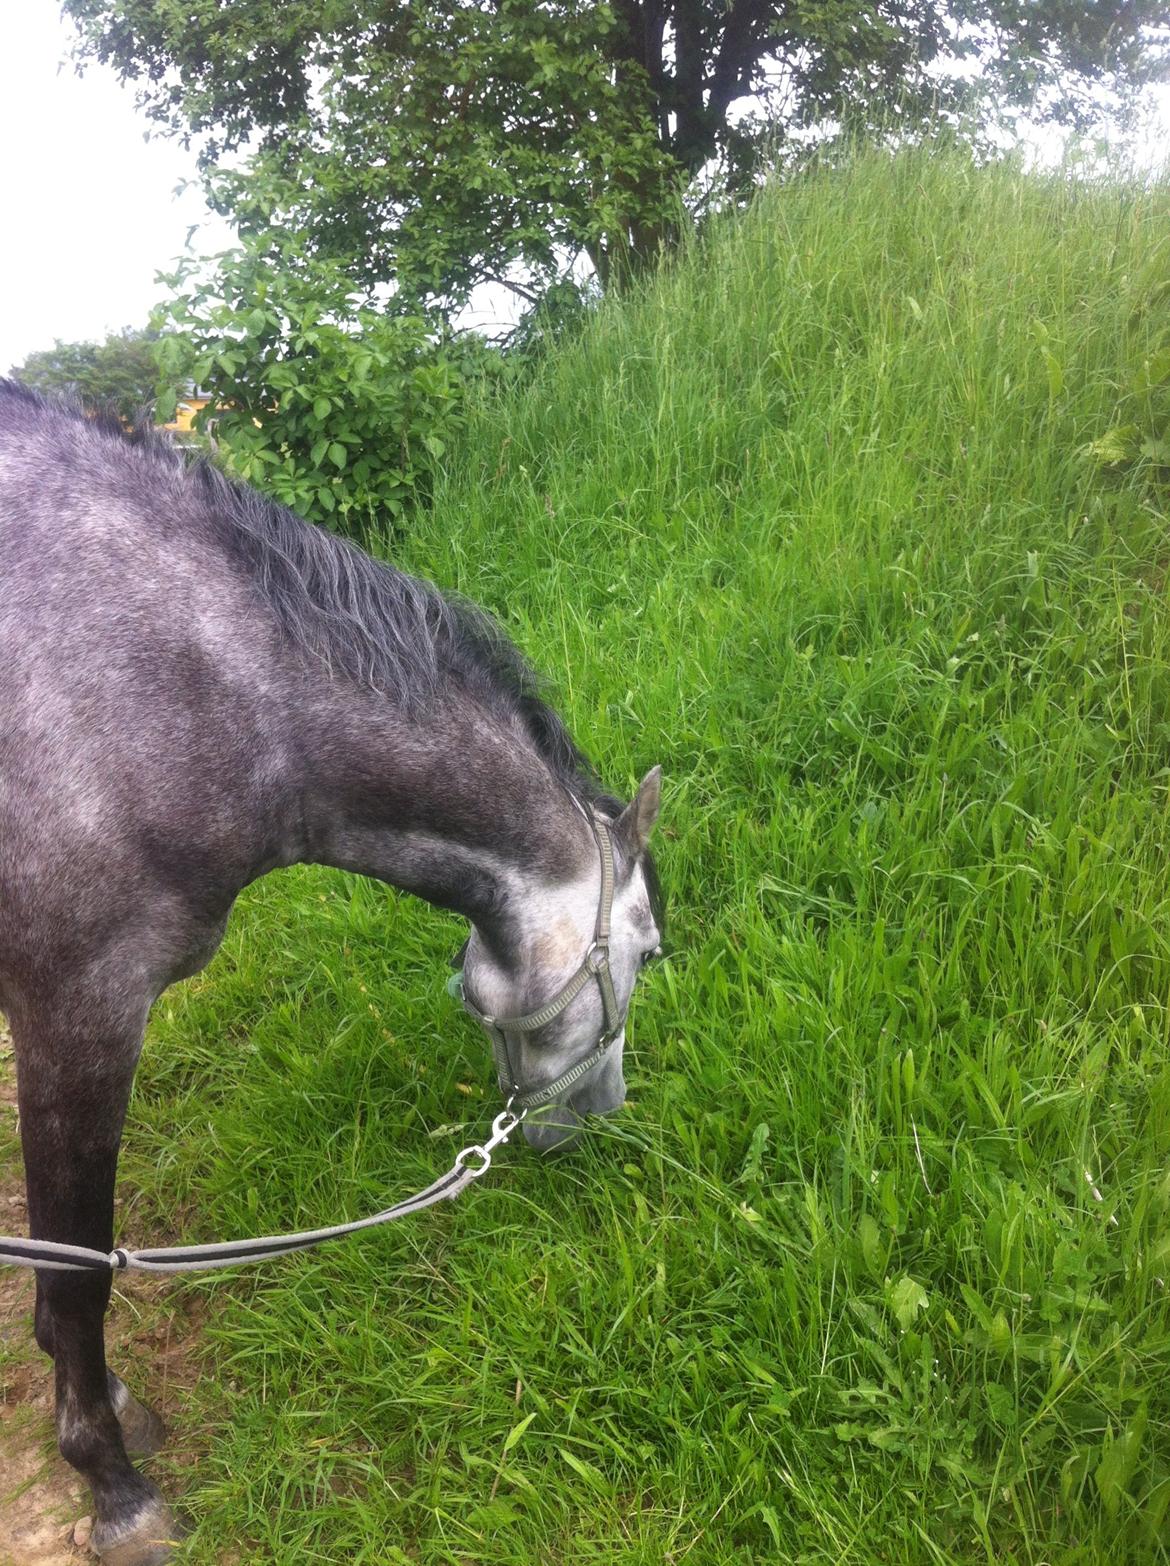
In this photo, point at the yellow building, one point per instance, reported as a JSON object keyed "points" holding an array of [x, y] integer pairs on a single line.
{"points": [[185, 413]]}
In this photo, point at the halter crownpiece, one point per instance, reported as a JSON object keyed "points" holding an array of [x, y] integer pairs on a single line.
{"points": [[594, 966]]}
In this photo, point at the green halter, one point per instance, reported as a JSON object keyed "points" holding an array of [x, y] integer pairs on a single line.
{"points": [[594, 966]]}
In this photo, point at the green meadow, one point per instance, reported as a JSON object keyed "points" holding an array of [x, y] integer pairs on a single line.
{"points": [[873, 1266]]}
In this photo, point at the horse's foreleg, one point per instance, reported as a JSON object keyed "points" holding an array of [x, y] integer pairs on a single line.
{"points": [[73, 1098]]}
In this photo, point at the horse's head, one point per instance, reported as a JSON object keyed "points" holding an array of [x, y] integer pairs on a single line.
{"points": [[554, 991]]}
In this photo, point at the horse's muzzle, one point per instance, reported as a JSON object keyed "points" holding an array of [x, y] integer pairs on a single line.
{"points": [[603, 1092]]}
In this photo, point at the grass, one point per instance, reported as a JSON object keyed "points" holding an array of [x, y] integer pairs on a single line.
{"points": [[873, 1267]]}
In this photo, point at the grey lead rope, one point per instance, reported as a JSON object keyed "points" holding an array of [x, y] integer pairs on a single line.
{"points": [[56, 1257]]}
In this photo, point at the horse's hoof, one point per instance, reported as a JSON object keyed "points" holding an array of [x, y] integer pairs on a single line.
{"points": [[143, 1432], [148, 1538]]}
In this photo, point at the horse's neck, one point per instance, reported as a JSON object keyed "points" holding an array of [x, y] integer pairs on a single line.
{"points": [[455, 806]]}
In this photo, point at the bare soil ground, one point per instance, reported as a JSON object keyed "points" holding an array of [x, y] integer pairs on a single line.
{"points": [[150, 1339]]}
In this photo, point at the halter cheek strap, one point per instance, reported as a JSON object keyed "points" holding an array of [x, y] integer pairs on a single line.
{"points": [[594, 966]]}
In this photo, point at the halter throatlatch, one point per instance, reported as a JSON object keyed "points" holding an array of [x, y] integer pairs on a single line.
{"points": [[594, 966]]}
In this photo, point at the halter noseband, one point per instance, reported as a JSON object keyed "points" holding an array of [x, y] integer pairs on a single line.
{"points": [[594, 966]]}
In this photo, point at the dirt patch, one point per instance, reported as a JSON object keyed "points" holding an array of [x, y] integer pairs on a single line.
{"points": [[151, 1336]]}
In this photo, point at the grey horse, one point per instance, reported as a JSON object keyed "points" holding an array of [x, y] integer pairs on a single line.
{"points": [[195, 688]]}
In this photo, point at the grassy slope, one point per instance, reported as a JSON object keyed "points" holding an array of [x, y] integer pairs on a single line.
{"points": [[872, 1267]]}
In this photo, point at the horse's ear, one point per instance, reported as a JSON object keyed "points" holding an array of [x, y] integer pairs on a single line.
{"points": [[636, 822]]}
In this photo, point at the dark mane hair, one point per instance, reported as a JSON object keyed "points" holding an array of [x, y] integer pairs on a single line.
{"points": [[384, 629]]}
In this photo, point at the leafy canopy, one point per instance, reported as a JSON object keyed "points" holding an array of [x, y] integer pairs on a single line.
{"points": [[117, 375], [434, 145]]}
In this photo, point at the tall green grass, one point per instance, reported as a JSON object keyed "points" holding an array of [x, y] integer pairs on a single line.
{"points": [[874, 1266]]}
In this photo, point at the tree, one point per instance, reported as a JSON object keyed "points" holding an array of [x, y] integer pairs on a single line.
{"points": [[434, 144], [117, 375]]}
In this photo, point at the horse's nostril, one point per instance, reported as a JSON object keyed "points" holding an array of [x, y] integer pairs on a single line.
{"points": [[603, 1096]]}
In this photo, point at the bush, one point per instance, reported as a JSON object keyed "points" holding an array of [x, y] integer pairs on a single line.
{"points": [[317, 395]]}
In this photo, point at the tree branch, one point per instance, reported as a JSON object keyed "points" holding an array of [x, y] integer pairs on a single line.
{"points": [[506, 282], [693, 141], [745, 42]]}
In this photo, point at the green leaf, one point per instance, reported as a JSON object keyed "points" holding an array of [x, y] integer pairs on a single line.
{"points": [[771, 1521], [1055, 373], [1119, 1463], [338, 454], [322, 408], [906, 1298], [584, 1470], [1116, 445], [517, 1431], [1155, 371], [753, 1162], [1001, 1404], [872, 1249]]}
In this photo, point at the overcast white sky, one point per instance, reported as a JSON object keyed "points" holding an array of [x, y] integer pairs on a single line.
{"points": [[88, 207]]}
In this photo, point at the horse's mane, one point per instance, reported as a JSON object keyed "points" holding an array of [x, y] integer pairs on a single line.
{"points": [[364, 618]]}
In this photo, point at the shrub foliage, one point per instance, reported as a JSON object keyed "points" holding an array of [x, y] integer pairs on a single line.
{"points": [[317, 395]]}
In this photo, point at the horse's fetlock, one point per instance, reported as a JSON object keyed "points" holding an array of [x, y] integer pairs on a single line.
{"points": [[81, 1442]]}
